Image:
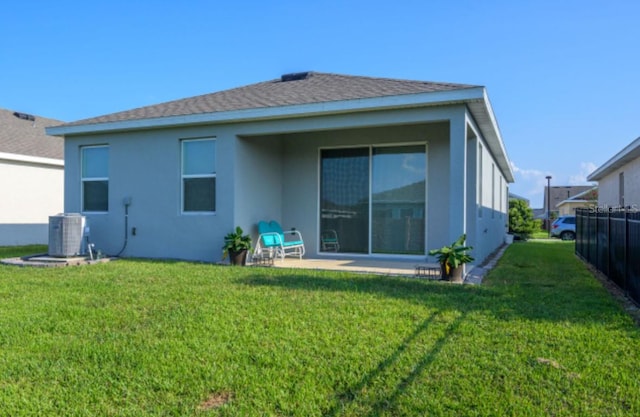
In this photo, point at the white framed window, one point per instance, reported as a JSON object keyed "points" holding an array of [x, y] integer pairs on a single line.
{"points": [[199, 175], [94, 178]]}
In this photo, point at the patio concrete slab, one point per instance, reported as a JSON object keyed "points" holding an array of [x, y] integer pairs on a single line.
{"points": [[408, 268], [367, 266]]}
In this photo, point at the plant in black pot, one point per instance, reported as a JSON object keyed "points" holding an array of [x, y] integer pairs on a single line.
{"points": [[452, 259], [236, 246]]}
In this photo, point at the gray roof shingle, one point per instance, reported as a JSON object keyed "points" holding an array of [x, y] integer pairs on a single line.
{"points": [[316, 87], [27, 137]]}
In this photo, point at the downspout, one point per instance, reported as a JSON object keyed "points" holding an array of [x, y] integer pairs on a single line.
{"points": [[127, 203]]}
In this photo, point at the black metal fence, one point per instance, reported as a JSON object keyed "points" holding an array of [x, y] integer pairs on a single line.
{"points": [[610, 241]]}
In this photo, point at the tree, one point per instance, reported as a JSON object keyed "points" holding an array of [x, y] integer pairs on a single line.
{"points": [[521, 219]]}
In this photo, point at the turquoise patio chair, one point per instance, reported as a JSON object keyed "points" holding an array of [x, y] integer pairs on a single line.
{"points": [[275, 242]]}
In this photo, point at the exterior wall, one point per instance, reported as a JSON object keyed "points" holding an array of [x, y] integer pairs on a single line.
{"points": [[145, 166], [491, 203], [259, 181], [31, 193], [608, 187], [472, 186]]}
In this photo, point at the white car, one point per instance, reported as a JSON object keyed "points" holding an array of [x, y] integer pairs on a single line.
{"points": [[564, 227]]}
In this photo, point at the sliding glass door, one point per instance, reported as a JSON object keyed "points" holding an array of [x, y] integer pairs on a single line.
{"points": [[373, 200]]}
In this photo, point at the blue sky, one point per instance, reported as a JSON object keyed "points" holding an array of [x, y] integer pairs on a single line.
{"points": [[562, 76]]}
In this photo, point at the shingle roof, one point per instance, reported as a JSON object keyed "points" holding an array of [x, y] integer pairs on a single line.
{"points": [[315, 87], [27, 137], [560, 193]]}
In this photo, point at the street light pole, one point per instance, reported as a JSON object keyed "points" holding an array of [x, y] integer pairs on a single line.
{"points": [[549, 204]]}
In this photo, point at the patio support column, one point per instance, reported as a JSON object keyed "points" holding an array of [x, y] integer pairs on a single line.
{"points": [[457, 174]]}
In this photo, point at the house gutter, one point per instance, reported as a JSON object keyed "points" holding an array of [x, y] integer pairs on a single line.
{"points": [[31, 159]]}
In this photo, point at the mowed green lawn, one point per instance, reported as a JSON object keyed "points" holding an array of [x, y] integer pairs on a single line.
{"points": [[541, 337]]}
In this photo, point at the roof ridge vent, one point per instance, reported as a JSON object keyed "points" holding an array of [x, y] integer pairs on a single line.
{"points": [[24, 116], [294, 76]]}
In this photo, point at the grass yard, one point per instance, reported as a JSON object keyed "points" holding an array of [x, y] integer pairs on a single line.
{"points": [[540, 234], [139, 338]]}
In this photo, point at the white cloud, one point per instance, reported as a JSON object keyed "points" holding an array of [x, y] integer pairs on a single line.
{"points": [[527, 174], [534, 179], [530, 183], [580, 178], [414, 164]]}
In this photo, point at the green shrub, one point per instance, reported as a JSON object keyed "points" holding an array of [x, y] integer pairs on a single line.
{"points": [[521, 220]]}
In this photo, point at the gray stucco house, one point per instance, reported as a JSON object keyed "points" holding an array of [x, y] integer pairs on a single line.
{"points": [[395, 167]]}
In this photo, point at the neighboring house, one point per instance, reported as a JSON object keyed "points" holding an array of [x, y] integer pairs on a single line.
{"points": [[314, 151], [560, 193], [31, 177], [619, 179], [513, 196], [539, 214], [584, 199]]}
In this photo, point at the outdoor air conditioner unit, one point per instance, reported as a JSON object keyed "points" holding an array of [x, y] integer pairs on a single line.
{"points": [[65, 235]]}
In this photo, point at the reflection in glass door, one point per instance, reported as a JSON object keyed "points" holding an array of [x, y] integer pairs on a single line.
{"points": [[398, 200], [344, 200], [373, 200]]}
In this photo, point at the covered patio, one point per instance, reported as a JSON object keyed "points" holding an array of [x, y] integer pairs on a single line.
{"points": [[368, 187]]}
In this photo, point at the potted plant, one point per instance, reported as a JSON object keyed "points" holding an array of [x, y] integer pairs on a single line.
{"points": [[236, 246], [452, 259]]}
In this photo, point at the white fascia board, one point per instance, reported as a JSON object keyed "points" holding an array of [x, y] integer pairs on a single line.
{"points": [[485, 119], [504, 158], [569, 201], [31, 159], [576, 198], [264, 113], [628, 154]]}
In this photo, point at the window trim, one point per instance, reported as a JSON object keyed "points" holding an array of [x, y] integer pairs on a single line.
{"points": [[184, 176], [493, 190], [500, 196], [92, 179], [480, 179]]}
